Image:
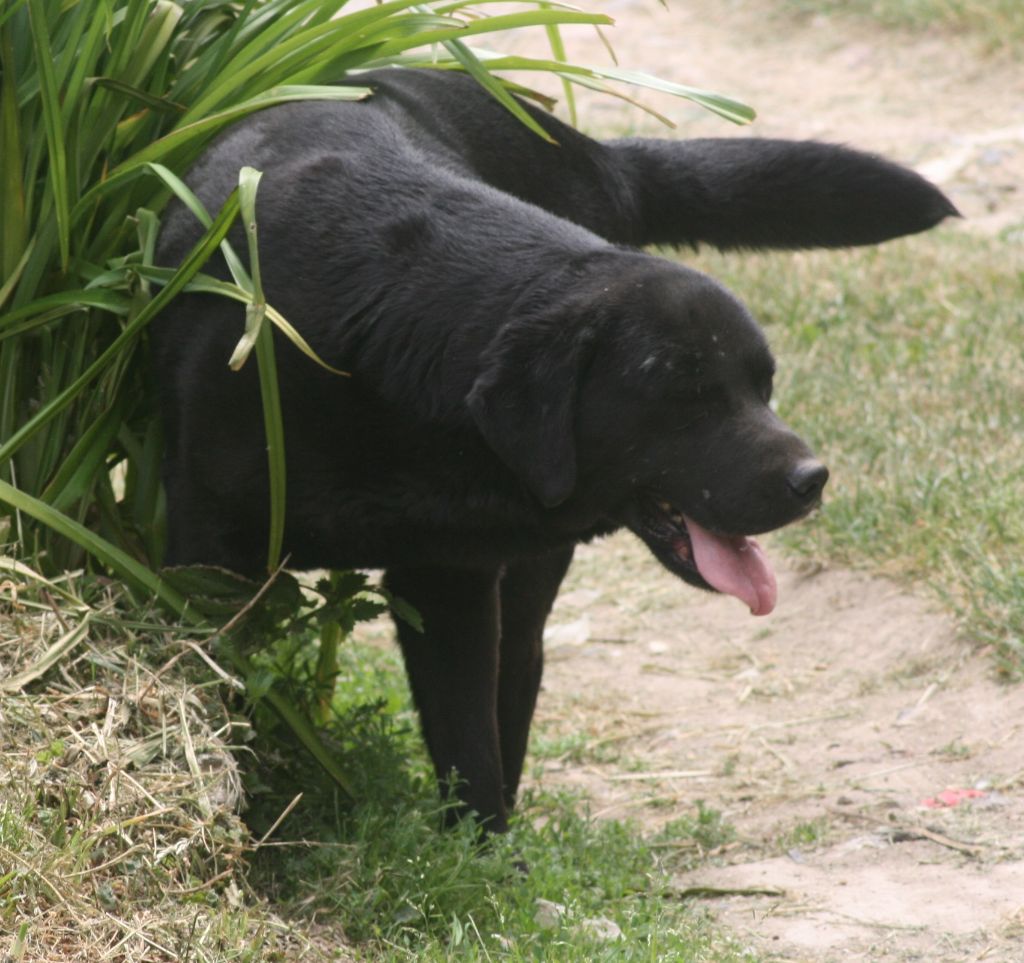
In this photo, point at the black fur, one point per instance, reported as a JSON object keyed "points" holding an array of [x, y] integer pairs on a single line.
{"points": [[522, 379]]}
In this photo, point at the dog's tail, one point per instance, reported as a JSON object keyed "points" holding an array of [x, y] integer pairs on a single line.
{"points": [[760, 193]]}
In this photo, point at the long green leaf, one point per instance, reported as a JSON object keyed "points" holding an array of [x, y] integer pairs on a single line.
{"points": [[181, 137], [58, 165], [73, 300], [727, 107], [187, 196], [511, 21], [273, 422], [242, 290], [479, 72], [110, 555], [14, 222], [85, 459], [558, 52], [153, 41], [141, 96]]}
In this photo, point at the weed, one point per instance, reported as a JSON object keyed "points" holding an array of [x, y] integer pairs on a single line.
{"points": [[708, 829], [806, 834]]}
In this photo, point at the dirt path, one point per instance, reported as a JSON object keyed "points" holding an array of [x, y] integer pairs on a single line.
{"points": [[819, 732], [828, 732]]}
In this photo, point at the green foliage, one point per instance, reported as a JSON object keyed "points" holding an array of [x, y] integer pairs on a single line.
{"points": [[708, 829], [403, 890]]}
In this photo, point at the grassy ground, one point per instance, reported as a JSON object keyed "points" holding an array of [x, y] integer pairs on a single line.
{"points": [[998, 23], [123, 770], [904, 366]]}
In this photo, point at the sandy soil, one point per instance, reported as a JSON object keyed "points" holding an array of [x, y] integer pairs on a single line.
{"points": [[826, 732]]}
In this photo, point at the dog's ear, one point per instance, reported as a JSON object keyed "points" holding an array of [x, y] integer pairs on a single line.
{"points": [[524, 405], [749, 192]]}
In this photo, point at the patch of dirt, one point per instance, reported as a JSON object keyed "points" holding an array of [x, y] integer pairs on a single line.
{"points": [[826, 732]]}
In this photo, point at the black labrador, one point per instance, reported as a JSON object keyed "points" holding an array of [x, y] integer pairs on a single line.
{"points": [[522, 377]]}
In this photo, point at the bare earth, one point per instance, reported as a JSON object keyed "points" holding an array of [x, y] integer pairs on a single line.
{"points": [[821, 731]]}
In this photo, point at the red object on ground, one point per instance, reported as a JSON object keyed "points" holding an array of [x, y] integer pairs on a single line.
{"points": [[951, 797]]}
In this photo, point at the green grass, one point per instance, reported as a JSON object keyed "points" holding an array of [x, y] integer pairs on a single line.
{"points": [[998, 23], [903, 365], [403, 890]]}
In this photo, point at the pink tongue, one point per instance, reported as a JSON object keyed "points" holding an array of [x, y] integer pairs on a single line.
{"points": [[736, 566]]}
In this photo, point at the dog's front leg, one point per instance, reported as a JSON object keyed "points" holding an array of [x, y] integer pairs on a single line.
{"points": [[453, 673], [528, 590]]}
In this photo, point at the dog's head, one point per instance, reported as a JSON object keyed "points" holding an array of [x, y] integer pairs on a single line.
{"points": [[644, 401]]}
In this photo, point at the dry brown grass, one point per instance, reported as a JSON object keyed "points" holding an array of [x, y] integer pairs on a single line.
{"points": [[120, 791]]}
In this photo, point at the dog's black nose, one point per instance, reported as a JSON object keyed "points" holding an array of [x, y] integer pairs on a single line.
{"points": [[807, 479]]}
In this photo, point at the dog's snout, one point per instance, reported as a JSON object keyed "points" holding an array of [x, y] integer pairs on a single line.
{"points": [[807, 479]]}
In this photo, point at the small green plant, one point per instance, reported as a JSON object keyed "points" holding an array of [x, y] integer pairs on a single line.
{"points": [[804, 834], [954, 750], [707, 828], [385, 871]]}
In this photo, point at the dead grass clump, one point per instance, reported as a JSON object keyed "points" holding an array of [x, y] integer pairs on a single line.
{"points": [[120, 790]]}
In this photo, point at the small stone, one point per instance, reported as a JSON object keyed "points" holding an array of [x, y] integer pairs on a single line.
{"points": [[602, 928], [548, 915]]}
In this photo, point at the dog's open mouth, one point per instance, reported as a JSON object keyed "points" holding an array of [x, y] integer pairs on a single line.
{"points": [[731, 564]]}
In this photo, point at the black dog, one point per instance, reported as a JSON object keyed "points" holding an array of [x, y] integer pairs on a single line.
{"points": [[521, 379]]}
